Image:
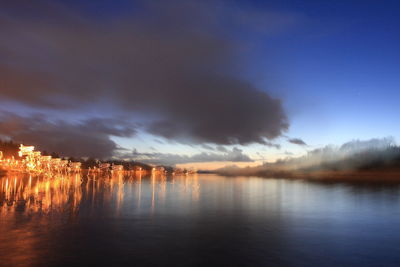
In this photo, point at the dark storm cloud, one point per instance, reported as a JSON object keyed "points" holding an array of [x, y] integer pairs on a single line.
{"points": [[235, 155], [89, 138], [297, 141], [172, 61]]}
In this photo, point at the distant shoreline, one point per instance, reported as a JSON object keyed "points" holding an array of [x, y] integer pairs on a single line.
{"points": [[360, 176]]}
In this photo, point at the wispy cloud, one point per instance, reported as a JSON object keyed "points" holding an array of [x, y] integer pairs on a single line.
{"points": [[297, 141]]}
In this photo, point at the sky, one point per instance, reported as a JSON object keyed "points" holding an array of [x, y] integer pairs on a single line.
{"points": [[198, 83]]}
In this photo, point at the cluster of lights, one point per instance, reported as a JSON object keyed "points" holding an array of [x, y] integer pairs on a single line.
{"points": [[33, 161], [104, 167]]}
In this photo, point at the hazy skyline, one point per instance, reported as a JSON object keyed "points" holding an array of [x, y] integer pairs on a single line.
{"points": [[236, 82]]}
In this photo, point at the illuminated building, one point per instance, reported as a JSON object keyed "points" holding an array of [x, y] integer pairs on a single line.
{"points": [[32, 161]]}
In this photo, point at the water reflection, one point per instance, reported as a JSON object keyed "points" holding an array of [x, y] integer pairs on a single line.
{"points": [[24, 193], [196, 220], [28, 194]]}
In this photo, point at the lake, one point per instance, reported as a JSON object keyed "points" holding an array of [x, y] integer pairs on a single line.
{"points": [[196, 220]]}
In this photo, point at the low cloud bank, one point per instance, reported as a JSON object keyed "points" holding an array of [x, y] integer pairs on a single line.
{"points": [[355, 155], [234, 155]]}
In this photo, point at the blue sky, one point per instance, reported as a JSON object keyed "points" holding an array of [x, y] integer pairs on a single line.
{"points": [[340, 67]]}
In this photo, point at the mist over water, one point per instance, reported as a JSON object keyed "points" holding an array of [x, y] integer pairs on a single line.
{"points": [[195, 220]]}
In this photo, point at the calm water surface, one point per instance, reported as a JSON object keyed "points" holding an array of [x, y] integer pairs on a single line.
{"points": [[199, 220]]}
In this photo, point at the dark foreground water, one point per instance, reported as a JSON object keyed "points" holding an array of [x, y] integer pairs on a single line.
{"points": [[201, 220]]}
